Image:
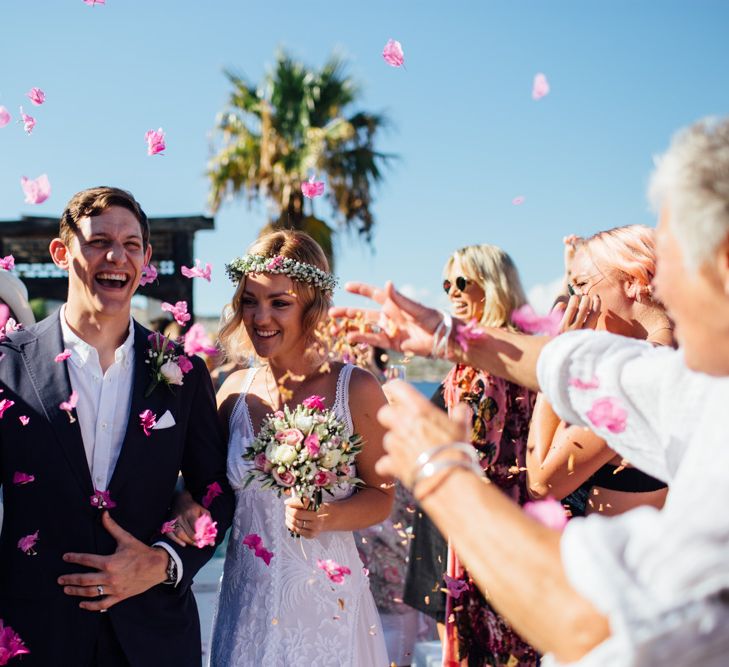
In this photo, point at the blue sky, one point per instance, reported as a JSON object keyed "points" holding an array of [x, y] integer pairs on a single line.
{"points": [[624, 76]]}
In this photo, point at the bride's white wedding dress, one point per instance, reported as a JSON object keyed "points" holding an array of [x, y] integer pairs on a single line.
{"points": [[289, 613]]}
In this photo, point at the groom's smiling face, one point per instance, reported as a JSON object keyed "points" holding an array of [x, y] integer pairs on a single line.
{"points": [[104, 261]]}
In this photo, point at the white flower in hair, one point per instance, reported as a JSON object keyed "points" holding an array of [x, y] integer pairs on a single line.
{"points": [[300, 271]]}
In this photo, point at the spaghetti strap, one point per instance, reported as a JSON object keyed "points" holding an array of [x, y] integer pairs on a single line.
{"points": [[341, 399]]}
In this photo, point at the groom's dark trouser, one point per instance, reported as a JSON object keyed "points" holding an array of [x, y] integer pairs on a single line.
{"points": [[109, 652]]}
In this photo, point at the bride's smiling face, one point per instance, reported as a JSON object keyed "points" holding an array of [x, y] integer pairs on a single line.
{"points": [[272, 315]]}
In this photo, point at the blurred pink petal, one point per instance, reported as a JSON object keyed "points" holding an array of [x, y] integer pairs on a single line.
{"points": [[179, 312], [24, 420], [28, 121], [455, 587], [548, 512], [206, 530], [214, 490], [147, 421], [312, 188], [255, 544], [4, 405], [155, 141], [184, 363], [393, 54], [518, 201], [540, 88], [334, 570], [149, 274], [608, 413], [7, 263], [196, 340], [169, 526], [20, 478], [5, 116], [26, 544], [314, 402], [528, 321], [62, 356], [36, 96], [592, 383], [91, 3], [11, 645], [69, 405], [467, 333], [102, 500], [36, 190], [197, 271]]}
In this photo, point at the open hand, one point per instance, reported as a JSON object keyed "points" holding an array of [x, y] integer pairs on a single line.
{"points": [[132, 569]]}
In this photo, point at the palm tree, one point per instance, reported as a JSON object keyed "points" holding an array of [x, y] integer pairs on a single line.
{"points": [[293, 126]]}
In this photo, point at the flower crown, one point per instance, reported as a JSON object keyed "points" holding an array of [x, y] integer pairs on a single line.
{"points": [[305, 273]]}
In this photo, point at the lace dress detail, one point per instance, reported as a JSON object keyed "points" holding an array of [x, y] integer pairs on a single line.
{"points": [[289, 614]]}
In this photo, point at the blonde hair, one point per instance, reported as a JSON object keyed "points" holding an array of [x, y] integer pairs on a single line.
{"points": [[495, 272], [315, 302], [628, 252]]}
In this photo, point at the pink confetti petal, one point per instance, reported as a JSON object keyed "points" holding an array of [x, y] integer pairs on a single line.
{"points": [[5, 116], [27, 544], [455, 587], [206, 530], [468, 333], [62, 356], [70, 405], [540, 87], [334, 571], [393, 53], [185, 364], [608, 413], [7, 263], [196, 340], [255, 544], [211, 494], [102, 500], [529, 322], [11, 645], [5, 404], [518, 201], [147, 421], [36, 190], [21, 478], [179, 312], [592, 383], [197, 271], [28, 121], [24, 420], [36, 96], [155, 141], [149, 274], [169, 526], [549, 512], [92, 3], [312, 188]]}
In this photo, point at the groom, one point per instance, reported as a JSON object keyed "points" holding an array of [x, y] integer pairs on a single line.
{"points": [[88, 482]]}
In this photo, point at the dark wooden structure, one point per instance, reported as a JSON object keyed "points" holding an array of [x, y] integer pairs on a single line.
{"points": [[172, 240]]}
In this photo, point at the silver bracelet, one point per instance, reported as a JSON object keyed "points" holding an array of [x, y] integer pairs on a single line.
{"points": [[440, 346], [436, 335], [424, 460], [434, 467]]}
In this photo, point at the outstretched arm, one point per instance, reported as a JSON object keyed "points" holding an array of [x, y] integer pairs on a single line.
{"points": [[405, 325], [514, 558]]}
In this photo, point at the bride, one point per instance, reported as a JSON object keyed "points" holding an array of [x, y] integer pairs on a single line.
{"points": [[289, 612]]}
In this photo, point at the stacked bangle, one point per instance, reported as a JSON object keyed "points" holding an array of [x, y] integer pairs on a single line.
{"points": [[426, 468], [441, 336]]}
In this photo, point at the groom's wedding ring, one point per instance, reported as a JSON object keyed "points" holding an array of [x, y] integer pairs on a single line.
{"points": [[100, 589]]}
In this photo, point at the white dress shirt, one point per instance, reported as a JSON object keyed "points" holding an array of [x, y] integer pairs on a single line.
{"points": [[104, 400], [660, 576]]}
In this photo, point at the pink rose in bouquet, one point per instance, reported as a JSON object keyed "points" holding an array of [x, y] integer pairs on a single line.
{"points": [[285, 478], [290, 436], [324, 478], [262, 463], [312, 444], [314, 402]]}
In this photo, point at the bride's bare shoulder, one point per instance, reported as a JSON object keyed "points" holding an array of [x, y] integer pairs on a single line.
{"points": [[230, 390]]}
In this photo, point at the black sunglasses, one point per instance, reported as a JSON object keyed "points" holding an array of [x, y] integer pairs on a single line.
{"points": [[461, 284]]}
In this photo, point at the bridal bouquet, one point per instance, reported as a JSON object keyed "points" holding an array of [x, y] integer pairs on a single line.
{"points": [[304, 450]]}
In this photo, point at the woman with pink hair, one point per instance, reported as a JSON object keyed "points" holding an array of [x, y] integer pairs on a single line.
{"points": [[615, 268]]}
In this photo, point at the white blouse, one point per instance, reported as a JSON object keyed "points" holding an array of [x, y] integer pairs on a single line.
{"points": [[660, 576]]}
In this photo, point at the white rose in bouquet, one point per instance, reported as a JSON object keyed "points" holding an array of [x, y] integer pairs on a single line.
{"points": [[331, 458], [304, 423], [285, 454]]}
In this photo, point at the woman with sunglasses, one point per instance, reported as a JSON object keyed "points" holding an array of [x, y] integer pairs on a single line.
{"points": [[609, 286], [483, 286]]}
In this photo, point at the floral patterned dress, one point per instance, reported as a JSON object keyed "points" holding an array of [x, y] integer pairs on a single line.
{"points": [[501, 414]]}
